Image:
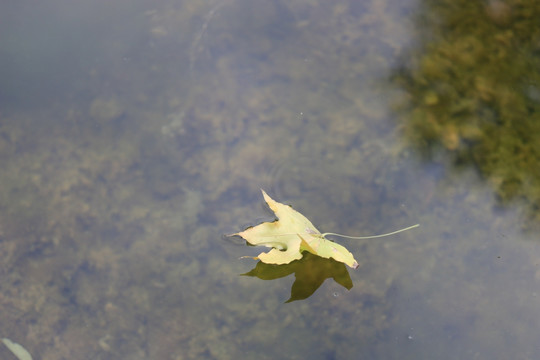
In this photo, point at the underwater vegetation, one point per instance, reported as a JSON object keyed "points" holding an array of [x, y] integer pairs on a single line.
{"points": [[473, 91]]}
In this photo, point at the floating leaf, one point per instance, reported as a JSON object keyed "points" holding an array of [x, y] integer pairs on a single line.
{"points": [[20, 352], [293, 234]]}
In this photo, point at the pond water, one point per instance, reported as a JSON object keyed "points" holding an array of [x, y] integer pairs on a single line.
{"points": [[135, 135]]}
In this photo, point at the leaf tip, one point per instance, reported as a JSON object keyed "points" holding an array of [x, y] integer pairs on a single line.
{"points": [[266, 196]]}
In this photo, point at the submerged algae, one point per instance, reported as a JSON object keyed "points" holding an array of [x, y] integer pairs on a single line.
{"points": [[474, 87]]}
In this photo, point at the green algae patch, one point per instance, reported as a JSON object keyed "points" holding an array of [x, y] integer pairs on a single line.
{"points": [[474, 86]]}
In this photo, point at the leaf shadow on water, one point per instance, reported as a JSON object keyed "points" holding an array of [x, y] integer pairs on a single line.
{"points": [[309, 272]]}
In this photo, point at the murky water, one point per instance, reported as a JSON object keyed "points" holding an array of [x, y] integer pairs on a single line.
{"points": [[134, 135]]}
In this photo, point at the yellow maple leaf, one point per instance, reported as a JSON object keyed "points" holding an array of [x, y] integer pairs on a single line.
{"points": [[292, 234]]}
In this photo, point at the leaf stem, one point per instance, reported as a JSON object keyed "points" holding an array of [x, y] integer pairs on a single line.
{"points": [[373, 236]]}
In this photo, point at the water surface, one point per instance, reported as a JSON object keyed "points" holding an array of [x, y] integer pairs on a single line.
{"points": [[134, 135]]}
